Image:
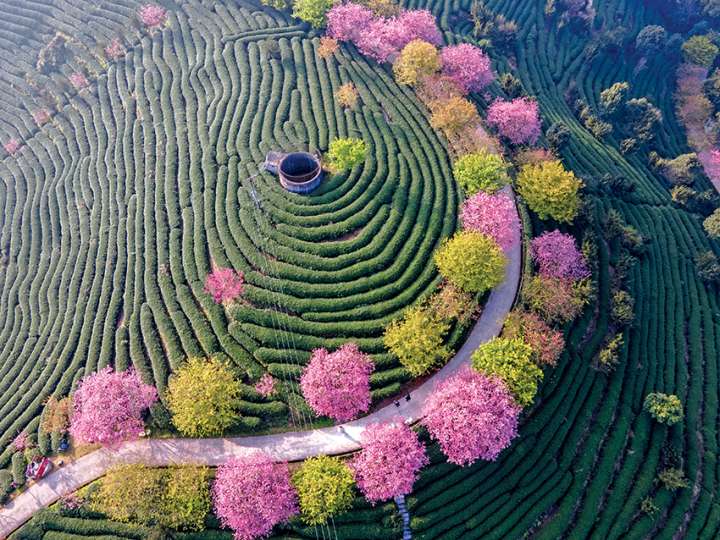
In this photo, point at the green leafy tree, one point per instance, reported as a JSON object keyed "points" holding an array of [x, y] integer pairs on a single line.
{"points": [[481, 171], [511, 361], [417, 340], [673, 479], [550, 191], [325, 488], [418, 59], [708, 266], [612, 99], [700, 50], [665, 408], [623, 308], [312, 11], [471, 261], [712, 224], [203, 398], [174, 497], [651, 39], [346, 153]]}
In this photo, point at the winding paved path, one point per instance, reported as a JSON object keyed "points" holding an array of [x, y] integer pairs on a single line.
{"points": [[281, 446]]}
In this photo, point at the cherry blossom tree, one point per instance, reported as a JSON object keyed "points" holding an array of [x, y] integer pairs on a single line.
{"points": [[493, 215], [41, 116], [115, 49], [417, 24], [12, 146], [20, 442], [337, 384], [517, 120], [251, 495], [224, 284], [557, 256], [712, 165], [468, 66], [547, 344], [78, 80], [108, 406], [378, 41], [389, 462], [384, 38], [471, 416], [347, 22], [266, 385], [152, 15]]}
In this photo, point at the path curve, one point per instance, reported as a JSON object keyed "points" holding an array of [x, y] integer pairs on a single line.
{"points": [[281, 446]]}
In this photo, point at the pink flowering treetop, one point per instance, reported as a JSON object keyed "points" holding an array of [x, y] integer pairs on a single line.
{"points": [[41, 116], [493, 215], [557, 256], [108, 407], [20, 442], [152, 15], [383, 38], [266, 385], [468, 66], [251, 495], [224, 284], [12, 146], [517, 120], [337, 384], [347, 22], [389, 462], [79, 80], [712, 166], [115, 49], [471, 416]]}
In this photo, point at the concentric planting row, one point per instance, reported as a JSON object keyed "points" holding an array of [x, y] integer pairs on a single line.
{"points": [[115, 211]]}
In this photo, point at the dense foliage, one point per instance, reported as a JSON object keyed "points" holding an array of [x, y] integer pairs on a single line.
{"points": [[557, 255], [174, 497], [550, 190], [203, 397], [546, 344], [471, 261], [517, 120], [346, 153], [417, 340], [511, 361], [492, 215], [325, 488], [665, 408], [224, 284], [480, 171], [467, 66]]}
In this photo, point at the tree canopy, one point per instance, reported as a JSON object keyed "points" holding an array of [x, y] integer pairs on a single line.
{"points": [[325, 488], [550, 191], [481, 171], [471, 261]]}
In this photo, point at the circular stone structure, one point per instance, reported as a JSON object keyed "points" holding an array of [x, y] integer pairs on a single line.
{"points": [[300, 172]]}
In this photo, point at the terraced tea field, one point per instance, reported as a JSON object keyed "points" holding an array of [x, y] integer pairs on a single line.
{"points": [[118, 207], [115, 210]]}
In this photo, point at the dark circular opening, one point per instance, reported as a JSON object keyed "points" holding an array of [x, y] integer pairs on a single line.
{"points": [[299, 167]]}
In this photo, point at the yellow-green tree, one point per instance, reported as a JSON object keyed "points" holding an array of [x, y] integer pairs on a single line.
{"points": [[480, 171], [549, 190], [175, 497], [471, 261], [325, 488], [203, 398], [511, 361], [312, 11], [417, 340], [418, 59], [712, 224], [345, 153]]}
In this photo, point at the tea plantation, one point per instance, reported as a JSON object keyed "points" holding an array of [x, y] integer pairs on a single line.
{"points": [[114, 211]]}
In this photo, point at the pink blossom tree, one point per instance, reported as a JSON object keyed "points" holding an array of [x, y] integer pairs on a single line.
{"points": [[389, 462], [712, 165], [517, 120], [251, 495], [337, 384], [266, 385], [224, 284], [108, 407], [78, 80], [494, 215], [347, 22], [471, 416], [41, 116], [115, 50], [20, 442], [383, 38], [468, 66], [557, 256], [378, 42], [12, 146], [152, 15], [417, 24]]}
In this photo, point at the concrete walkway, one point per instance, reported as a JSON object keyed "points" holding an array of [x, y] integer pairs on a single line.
{"points": [[281, 446]]}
